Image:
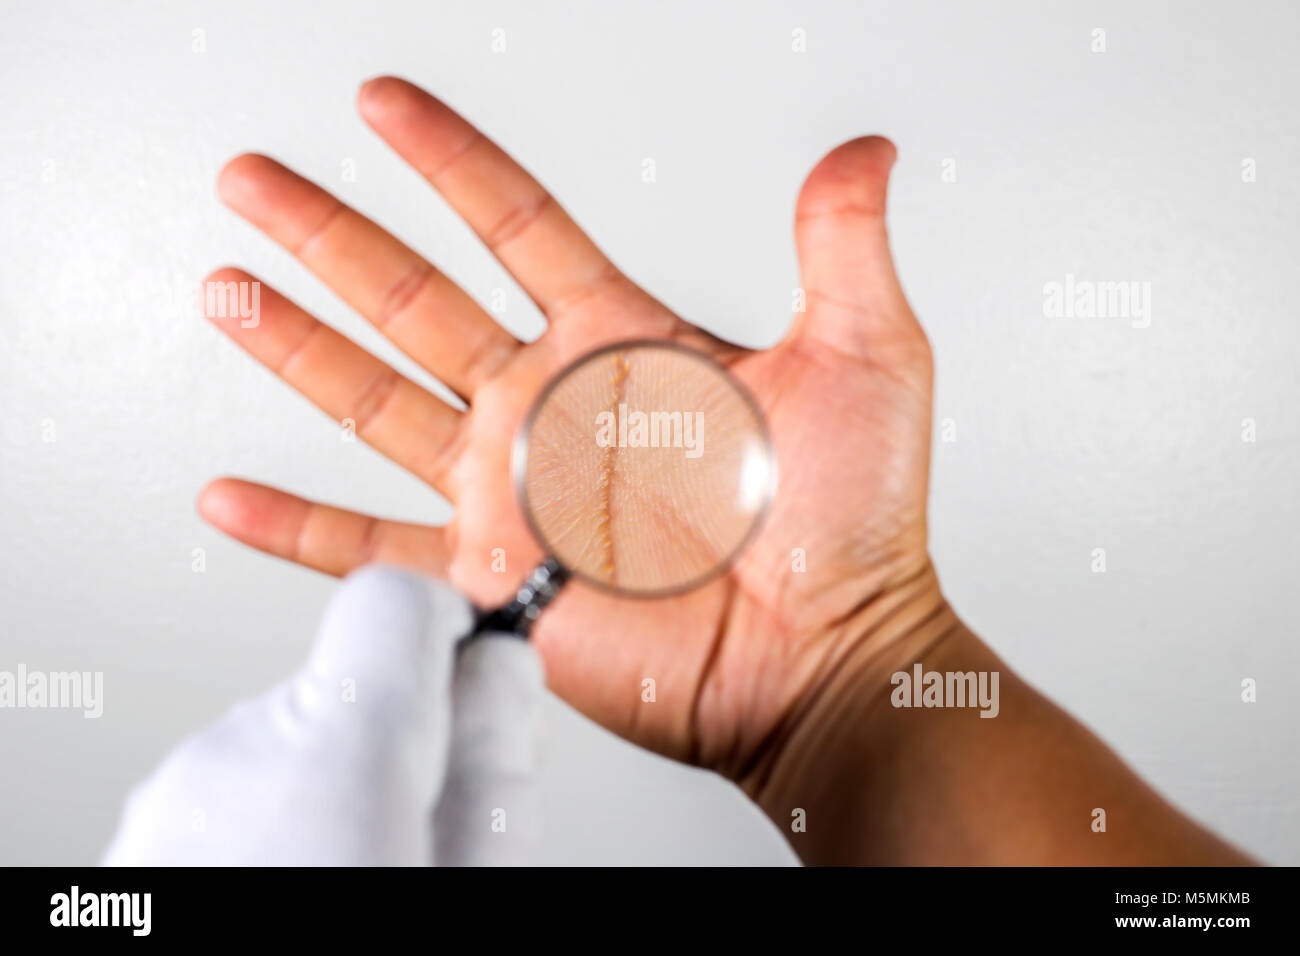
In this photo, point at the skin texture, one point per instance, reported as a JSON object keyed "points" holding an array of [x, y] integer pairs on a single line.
{"points": [[645, 520], [774, 677]]}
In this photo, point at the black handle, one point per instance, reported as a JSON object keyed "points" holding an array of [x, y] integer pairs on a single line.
{"points": [[538, 590]]}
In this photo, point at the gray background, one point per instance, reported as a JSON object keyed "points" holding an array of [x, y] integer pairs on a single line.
{"points": [[1071, 434]]}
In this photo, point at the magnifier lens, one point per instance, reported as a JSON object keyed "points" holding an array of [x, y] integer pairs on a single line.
{"points": [[644, 468]]}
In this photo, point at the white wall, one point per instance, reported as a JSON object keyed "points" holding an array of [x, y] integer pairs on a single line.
{"points": [[1071, 434]]}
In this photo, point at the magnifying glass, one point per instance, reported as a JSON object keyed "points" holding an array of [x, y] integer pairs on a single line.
{"points": [[643, 469]]}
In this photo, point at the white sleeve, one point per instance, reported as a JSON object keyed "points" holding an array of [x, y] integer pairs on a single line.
{"points": [[341, 764]]}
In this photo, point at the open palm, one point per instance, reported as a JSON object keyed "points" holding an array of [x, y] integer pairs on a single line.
{"points": [[846, 394]]}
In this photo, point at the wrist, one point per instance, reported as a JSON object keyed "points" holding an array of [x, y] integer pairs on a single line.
{"points": [[821, 779], [857, 775]]}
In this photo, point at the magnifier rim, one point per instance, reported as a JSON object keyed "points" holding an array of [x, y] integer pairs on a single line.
{"points": [[519, 467]]}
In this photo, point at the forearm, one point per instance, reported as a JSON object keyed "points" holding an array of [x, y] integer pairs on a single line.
{"points": [[879, 783]]}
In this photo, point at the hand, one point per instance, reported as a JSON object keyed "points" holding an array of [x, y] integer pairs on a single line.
{"points": [[343, 763], [847, 395]]}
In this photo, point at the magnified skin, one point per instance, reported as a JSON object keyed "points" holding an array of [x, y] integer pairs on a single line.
{"points": [[646, 469], [776, 674]]}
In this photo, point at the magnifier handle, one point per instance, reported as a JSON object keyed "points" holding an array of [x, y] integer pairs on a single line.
{"points": [[538, 590]]}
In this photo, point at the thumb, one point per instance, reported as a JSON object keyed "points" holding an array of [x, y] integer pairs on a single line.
{"points": [[489, 813], [853, 298], [386, 643]]}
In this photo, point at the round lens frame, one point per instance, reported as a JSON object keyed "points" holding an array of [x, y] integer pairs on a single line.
{"points": [[519, 465]]}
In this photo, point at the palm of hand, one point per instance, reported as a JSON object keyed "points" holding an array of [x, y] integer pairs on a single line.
{"points": [[846, 395]]}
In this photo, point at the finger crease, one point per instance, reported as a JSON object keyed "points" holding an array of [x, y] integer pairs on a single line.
{"points": [[516, 221], [439, 464], [403, 291], [297, 349], [370, 403], [844, 209], [449, 161], [299, 536], [482, 361], [368, 547], [304, 244], [852, 307], [607, 275]]}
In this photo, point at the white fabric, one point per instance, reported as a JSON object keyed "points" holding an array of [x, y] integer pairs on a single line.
{"points": [[344, 763]]}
